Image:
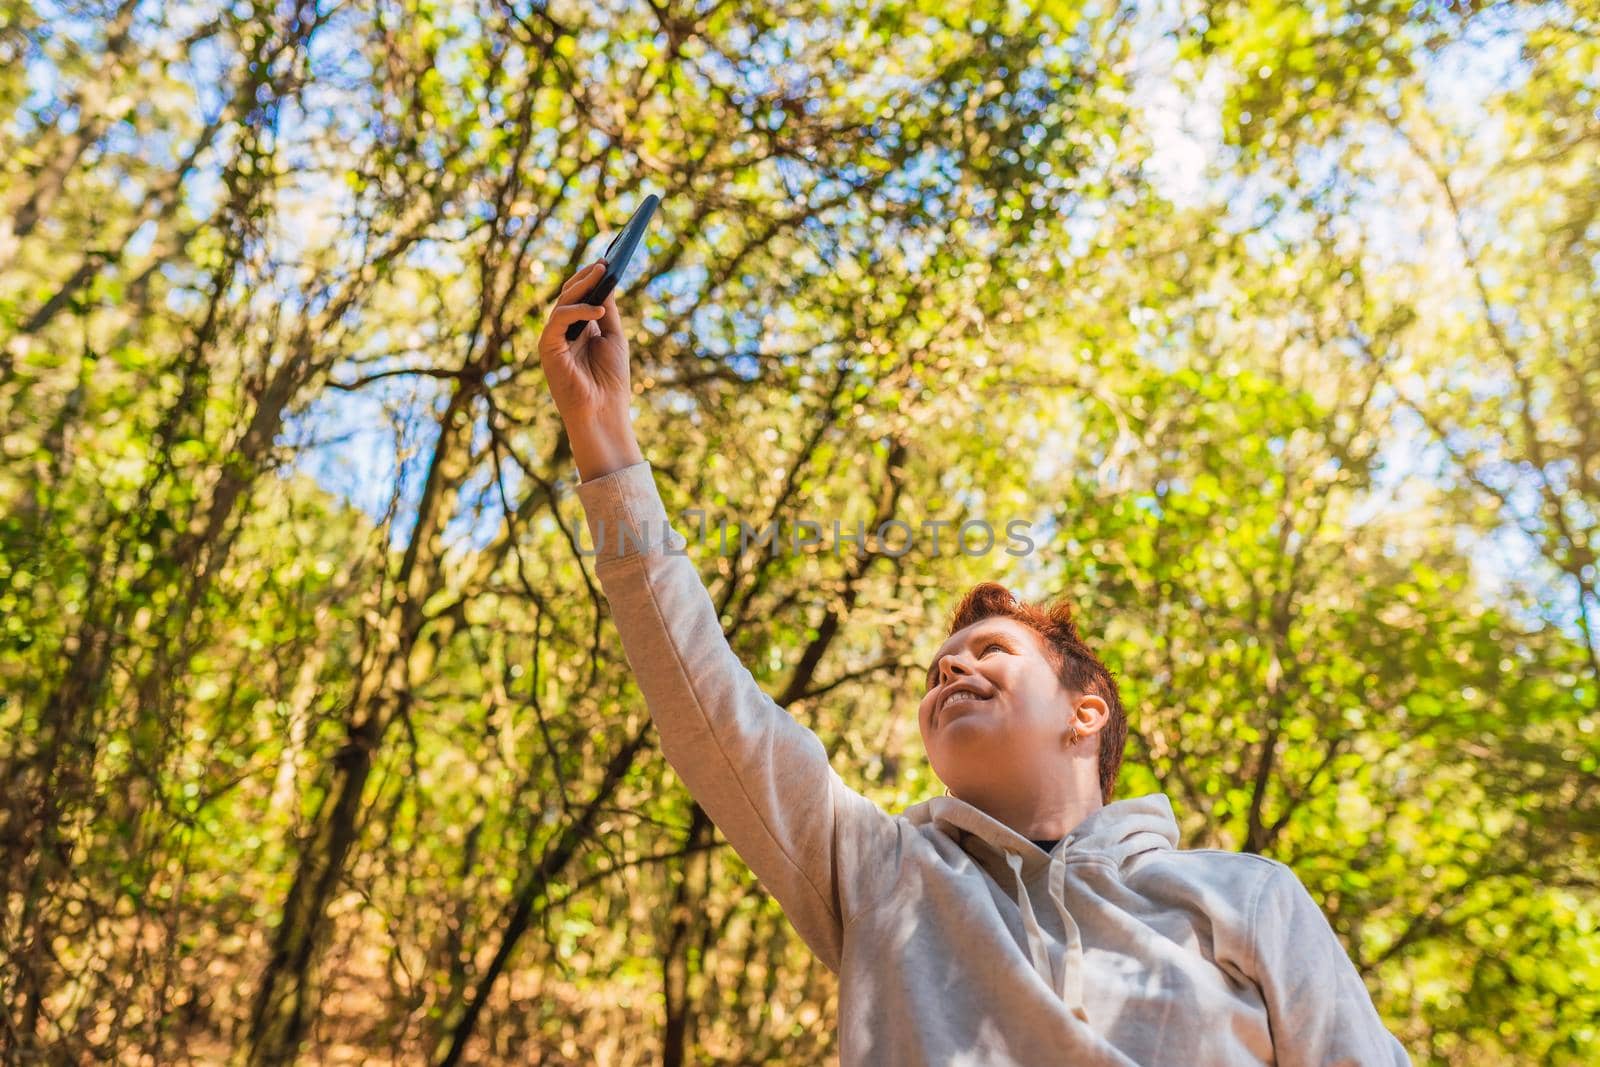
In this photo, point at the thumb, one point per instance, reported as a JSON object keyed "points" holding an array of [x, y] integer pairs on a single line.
{"points": [[611, 320]]}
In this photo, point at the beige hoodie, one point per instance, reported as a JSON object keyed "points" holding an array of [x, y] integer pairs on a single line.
{"points": [[956, 939]]}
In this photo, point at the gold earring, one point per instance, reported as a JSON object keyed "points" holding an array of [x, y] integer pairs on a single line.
{"points": [[1072, 735]]}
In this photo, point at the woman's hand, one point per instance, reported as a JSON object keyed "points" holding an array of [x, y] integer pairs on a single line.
{"points": [[588, 377]]}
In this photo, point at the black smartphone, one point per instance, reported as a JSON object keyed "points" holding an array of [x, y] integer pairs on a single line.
{"points": [[617, 255]]}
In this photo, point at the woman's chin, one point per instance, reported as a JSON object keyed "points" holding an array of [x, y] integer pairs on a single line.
{"points": [[970, 758]]}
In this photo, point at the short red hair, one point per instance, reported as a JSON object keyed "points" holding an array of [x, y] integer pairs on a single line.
{"points": [[1074, 661]]}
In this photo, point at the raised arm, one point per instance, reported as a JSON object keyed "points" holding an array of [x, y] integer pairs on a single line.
{"points": [[818, 846]]}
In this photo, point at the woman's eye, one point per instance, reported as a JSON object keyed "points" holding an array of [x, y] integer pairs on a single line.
{"points": [[993, 644]]}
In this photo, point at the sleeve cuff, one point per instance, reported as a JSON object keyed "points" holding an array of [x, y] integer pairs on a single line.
{"points": [[626, 517]]}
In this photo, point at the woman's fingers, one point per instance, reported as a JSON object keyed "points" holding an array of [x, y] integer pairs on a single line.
{"points": [[570, 308], [566, 315], [585, 278]]}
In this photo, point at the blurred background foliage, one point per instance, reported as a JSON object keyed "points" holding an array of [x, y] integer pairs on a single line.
{"points": [[1277, 320]]}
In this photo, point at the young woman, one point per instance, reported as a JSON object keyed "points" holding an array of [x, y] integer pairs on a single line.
{"points": [[1023, 918]]}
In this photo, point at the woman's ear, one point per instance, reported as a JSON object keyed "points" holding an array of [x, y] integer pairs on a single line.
{"points": [[1090, 714]]}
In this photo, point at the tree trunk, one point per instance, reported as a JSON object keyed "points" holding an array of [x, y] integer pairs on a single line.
{"points": [[287, 997]]}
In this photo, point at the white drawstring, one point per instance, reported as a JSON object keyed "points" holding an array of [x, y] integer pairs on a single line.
{"points": [[1072, 958], [1041, 958], [1070, 986]]}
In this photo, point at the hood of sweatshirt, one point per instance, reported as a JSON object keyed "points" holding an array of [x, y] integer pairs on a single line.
{"points": [[1120, 831]]}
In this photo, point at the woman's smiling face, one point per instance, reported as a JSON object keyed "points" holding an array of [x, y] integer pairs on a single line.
{"points": [[1009, 717]]}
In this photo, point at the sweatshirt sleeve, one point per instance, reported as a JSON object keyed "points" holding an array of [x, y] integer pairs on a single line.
{"points": [[762, 777], [1317, 1005]]}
